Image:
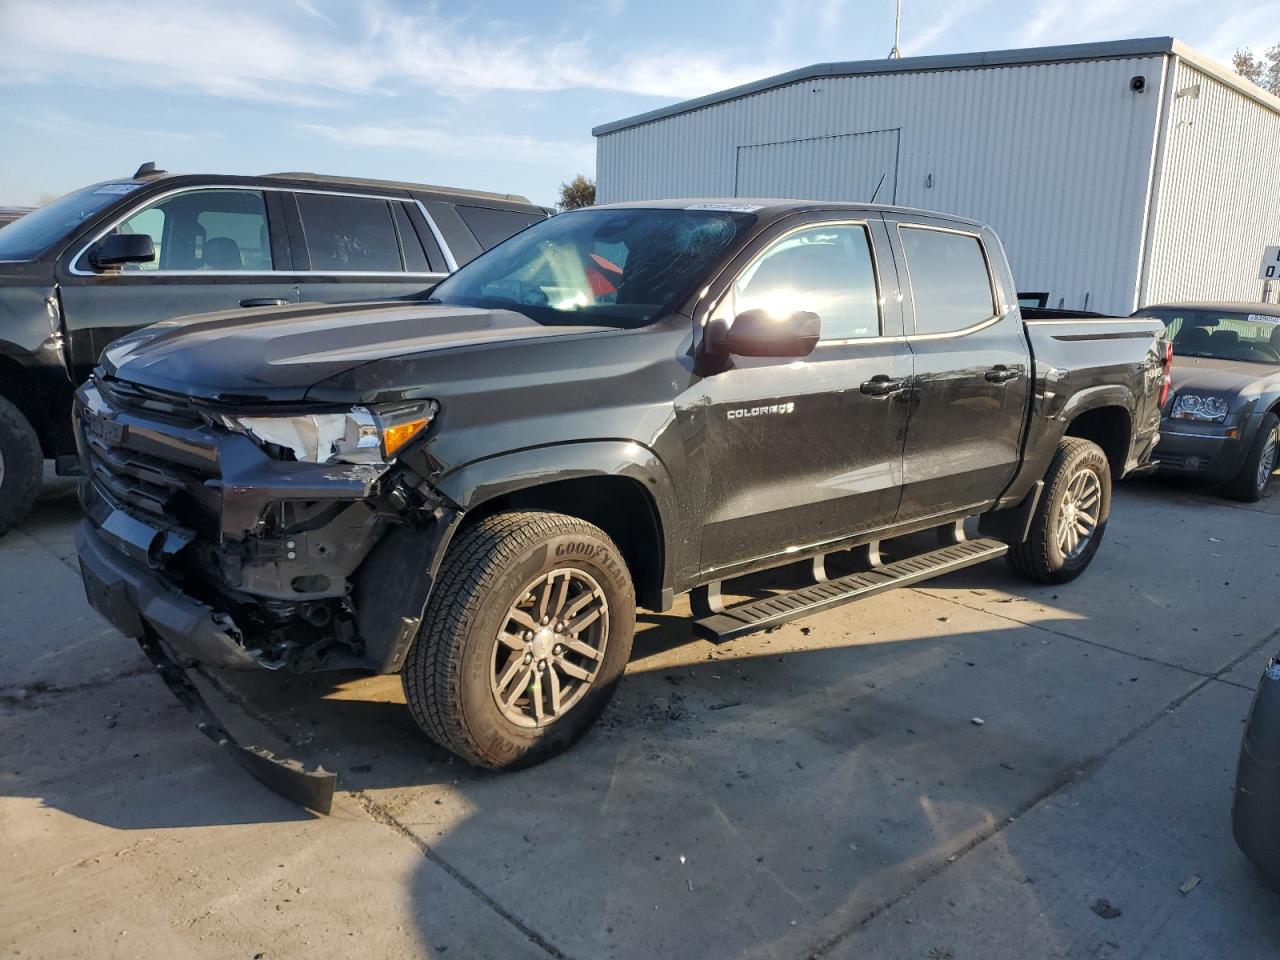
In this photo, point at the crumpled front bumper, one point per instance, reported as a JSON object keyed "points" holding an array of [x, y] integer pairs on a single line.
{"points": [[134, 598]]}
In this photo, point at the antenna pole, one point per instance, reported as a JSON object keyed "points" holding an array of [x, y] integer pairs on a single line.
{"points": [[895, 53]]}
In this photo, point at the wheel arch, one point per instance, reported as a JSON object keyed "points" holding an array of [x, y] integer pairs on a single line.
{"points": [[19, 387], [623, 488], [1103, 417]]}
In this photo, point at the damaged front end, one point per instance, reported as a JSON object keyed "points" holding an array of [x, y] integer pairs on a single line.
{"points": [[241, 540], [227, 540]]}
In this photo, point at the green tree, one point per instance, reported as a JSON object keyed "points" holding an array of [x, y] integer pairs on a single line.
{"points": [[578, 192], [1264, 70]]}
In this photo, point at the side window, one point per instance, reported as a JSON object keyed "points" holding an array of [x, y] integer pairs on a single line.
{"points": [[349, 234], [950, 284], [205, 230], [824, 269], [490, 227], [415, 257]]}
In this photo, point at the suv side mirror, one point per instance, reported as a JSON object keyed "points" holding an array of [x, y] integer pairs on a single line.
{"points": [[117, 249], [759, 333]]}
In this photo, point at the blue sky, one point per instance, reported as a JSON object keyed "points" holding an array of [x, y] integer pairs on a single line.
{"points": [[498, 96]]}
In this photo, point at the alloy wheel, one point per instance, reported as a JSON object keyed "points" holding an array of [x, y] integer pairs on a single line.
{"points": [[1267, 462], [1078, 517], [550, 647]]}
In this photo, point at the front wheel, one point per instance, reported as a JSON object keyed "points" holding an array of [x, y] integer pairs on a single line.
{"points": [[524, 641], [21, 466], [1071, 516], [1251, 482]]}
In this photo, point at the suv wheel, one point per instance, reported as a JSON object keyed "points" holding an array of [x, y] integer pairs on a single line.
{"points": [[524, 640], [21, 466], [1070, 518], [1251, 482]]}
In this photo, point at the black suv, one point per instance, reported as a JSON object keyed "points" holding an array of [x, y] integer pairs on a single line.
{"points": [[101, 261]]}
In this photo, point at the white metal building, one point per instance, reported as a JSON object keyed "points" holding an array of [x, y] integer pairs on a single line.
{"points": [[1118, 174]]}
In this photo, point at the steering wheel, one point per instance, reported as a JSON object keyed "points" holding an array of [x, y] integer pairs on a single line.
{"points": [[1270, 353]]}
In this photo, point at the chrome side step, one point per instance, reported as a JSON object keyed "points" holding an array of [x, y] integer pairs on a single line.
{"points": [[772, 611]]}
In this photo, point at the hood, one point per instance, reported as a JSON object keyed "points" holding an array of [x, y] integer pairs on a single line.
{"points": [[277, 355], [1230, 377]]}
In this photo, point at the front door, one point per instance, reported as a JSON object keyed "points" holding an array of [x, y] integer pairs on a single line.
{"points": [[800, 453], [216, 249], [969, 402]]}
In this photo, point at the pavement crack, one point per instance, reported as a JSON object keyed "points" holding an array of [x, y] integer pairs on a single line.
{"points": [[381, 814], [31, 695]]}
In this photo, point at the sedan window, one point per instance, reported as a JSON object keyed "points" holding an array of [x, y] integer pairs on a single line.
{"points": [[1221, 335]]}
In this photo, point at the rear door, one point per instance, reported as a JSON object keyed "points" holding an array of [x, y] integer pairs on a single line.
{"points": [[800, 453], [969, 401], [217, 248], [350, 247]]}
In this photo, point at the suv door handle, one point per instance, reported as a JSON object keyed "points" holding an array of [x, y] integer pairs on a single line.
{"points": [[1000, 374], [883, 385], [263, 302]]}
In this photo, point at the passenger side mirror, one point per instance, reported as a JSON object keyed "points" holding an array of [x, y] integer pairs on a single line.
{"points": [[759, 333], [117, 249]]}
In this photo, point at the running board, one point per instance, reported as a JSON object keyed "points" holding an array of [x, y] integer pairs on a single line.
{"points": [[772, 611]]}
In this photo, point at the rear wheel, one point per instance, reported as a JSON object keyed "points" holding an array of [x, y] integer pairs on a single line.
{"points": [[1251, 482], [21, 466], [525, 639], [1071, 516]]}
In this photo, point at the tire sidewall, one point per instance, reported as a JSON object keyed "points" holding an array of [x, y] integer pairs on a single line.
{"points": [[1090, 459], [23, 466], [506, 743], [1267, 430]]}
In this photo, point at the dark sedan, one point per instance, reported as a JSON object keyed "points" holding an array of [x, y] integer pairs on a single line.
{"points": [[1220, 422]]}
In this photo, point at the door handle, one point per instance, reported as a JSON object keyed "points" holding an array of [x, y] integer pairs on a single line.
{"points": [[1000, 374], [263, 302], [883, 385]]}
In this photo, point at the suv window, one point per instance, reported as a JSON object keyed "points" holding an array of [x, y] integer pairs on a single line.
{"points": [[490, 227], [415, 257], [950, 283], [825, 269], [349, 234], [214, 230]]}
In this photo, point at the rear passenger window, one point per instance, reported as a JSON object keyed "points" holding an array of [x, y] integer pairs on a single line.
{"points": [[490, 227], [826, 270], [950, 285], [349, 234]]}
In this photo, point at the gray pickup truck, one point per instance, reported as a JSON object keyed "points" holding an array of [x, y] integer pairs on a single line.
{"points": [[614, 407]]}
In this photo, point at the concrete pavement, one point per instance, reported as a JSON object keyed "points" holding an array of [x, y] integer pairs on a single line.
{"points": [[817, 790]]}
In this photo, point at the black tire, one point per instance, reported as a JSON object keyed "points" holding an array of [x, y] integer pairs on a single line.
{"points": [[1249, 485], [21, 466], [448, 674], [1042, 557]]}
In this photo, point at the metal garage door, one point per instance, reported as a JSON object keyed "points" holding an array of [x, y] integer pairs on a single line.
{"points": [[846, 167]]}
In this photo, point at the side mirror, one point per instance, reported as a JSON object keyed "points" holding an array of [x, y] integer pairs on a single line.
{"points": [[759, 333], [117, 249]]}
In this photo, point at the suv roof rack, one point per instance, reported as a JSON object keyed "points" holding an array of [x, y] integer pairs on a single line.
{"points": [[403, 184]]}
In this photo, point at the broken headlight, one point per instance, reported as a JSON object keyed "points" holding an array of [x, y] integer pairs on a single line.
{"points": [[358, 435], [1194, 406]]}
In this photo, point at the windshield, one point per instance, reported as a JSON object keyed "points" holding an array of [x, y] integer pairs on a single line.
{"points": [[1220, 334], [622, 268], [29, 236]]}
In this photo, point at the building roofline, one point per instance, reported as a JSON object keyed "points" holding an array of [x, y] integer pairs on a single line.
{"points": [[1108, 50]]}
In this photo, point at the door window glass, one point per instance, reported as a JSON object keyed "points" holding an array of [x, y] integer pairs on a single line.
{"points": [[415, 257], [205, 230], [490, 227], [826, 270], [349, 234], [950, 284]]}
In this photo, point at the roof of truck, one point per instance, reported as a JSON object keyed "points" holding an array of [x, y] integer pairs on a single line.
{"points": [[770, 207]]}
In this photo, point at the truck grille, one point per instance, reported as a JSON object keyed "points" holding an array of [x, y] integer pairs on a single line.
{"points": [[150, 486]]}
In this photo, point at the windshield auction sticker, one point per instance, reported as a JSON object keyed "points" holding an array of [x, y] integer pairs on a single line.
{"points": [[727, 207], [120, 188], [1262, 318]]}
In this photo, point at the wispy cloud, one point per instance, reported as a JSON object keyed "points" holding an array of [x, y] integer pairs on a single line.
{"points": [[242, 51], [572, 153], [940, 20]]}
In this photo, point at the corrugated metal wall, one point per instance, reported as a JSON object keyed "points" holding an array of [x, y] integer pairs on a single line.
{"points": [[1217, 204], [1057, 157], [822, 168]]}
